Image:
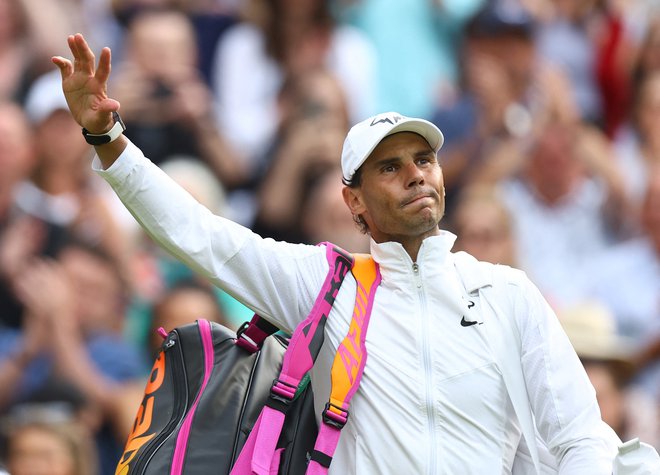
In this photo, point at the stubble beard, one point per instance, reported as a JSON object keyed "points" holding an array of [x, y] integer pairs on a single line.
{"points": [[427, 221]]}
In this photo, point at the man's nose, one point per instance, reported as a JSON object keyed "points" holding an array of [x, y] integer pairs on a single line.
{"points": [[414, 175]]}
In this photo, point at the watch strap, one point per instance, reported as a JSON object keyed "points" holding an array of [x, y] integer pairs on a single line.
{"points": [[111, 135]]}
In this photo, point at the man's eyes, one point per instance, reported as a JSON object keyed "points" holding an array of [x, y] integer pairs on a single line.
{"points": [[425, 160], [392, 167]]}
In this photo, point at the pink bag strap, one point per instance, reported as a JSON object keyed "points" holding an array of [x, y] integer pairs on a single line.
{"points": [[348, 366], [305, 343]]}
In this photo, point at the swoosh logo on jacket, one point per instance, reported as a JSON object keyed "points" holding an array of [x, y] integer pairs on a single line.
{"points": [[466, 323]]}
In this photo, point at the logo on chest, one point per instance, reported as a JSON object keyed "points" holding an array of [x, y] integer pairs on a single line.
{"points": [[468, 322]]}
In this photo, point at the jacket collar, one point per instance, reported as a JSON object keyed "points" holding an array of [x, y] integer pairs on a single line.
{"points": [[392, 257], [474, 274]]}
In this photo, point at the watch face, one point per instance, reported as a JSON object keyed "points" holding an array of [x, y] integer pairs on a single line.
{"points": [[117, 118]]}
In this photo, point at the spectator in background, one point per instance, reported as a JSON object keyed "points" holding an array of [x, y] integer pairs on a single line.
{"points": [[647, 59], [71, 331], [184, 303], [170, 107], [626, 279], [61, 193], [16, 61], [47, 196], [46, 440], [608, 359], [568, 204], [314, 121], [483, 226], [507, 93], [278, 39], [126, 10], [211, 19], [604, 48], [324, 216], [567, 39], [415, 43], [20, 242], [637, 146], [17, 157], [617, 41], [29, 30]]}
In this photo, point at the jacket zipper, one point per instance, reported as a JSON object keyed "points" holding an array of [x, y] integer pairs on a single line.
{"points": [[180, 395], [184, 432], [428, 370]]}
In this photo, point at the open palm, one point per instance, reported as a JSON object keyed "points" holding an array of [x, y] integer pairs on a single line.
{"points": [[85, 85]]}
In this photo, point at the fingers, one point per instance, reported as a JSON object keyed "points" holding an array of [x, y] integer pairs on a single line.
{"points": [[108, 105], [103, 70], [64, 65], [71, 41], [83, 57], [86, 53]]}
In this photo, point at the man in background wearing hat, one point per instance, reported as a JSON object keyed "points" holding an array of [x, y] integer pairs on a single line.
{"points": [[432, 398], [609, 360]]}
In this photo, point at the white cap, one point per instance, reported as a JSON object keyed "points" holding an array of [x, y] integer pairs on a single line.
{"points": [[364, 136], [45, 96]]}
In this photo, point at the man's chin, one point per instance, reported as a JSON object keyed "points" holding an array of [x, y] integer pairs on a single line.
{"points": [[427, 221]]}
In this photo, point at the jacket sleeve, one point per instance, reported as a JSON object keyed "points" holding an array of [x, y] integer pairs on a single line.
{"points": [[275, 279], [562, 399]]}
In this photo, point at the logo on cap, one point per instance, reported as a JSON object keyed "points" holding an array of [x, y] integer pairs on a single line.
{"points": [[393, 119]]}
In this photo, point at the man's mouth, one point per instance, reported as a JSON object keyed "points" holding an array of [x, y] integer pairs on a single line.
{"points": [[419, 199]]}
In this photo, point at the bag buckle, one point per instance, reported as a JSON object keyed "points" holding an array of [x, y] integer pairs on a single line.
{"points": [[332, 418], [245, 341], [282, 392]]}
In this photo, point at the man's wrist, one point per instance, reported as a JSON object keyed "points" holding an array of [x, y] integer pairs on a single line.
{"points": [[109, 153], [108, 137]]}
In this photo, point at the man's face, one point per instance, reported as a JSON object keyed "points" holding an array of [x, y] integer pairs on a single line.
{"points": [[59, 141], [98, 290], [16, 147], [401, 196]]}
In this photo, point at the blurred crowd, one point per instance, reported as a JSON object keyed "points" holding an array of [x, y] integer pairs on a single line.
{"points": [[551, 115]]}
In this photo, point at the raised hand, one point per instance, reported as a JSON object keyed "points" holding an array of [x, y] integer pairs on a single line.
{"points": [[85, 85], [47, 292]]}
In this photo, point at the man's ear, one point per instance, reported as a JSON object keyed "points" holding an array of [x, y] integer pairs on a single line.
{"points": [[353, 199]]}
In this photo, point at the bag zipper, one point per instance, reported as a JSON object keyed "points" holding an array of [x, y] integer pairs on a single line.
{"points": [[180, 403], [184, 432]]}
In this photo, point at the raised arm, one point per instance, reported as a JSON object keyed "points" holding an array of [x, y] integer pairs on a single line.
{"points": [[276, 279], [85, 86]]}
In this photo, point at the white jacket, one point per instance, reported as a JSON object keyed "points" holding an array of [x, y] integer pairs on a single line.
{"points": [[433, 399]]}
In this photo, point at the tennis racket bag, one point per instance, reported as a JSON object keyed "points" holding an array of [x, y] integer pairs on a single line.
{"points": [[210, 388]]}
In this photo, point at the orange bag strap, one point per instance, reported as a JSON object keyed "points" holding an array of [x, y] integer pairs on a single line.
{"points": [[348, 365]]}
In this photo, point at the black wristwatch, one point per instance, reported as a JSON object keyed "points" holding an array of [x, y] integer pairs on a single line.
{"points": [[109, 136]]}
